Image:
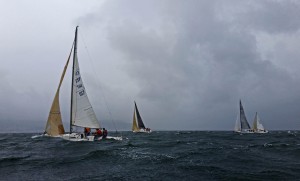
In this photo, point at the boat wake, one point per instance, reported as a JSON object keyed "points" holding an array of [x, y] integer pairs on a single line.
{"points": [[37, 136], [45, 135]]}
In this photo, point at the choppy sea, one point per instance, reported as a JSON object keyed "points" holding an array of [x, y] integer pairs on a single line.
{"points": [[161, 155]]}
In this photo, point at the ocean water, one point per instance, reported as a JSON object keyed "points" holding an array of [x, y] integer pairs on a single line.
{"points": [[161, 155]]}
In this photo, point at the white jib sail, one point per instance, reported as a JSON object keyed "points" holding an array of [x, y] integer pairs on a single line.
{"points": [[237, 126], [82, 112], [258, 124]]}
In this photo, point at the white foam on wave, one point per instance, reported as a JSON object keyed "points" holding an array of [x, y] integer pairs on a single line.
{"points": [[114, 138]]}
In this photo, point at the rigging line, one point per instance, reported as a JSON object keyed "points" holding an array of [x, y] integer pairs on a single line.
{"points": [[98, 84]]}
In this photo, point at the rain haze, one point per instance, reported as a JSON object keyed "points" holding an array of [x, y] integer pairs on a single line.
{"points": [[186, 63]]}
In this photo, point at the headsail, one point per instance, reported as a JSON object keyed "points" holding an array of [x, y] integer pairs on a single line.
{"points": [[83, 114], [237, 126], [54, 124], [134, 124], [256, 124], [139, 118], [244, 123]]}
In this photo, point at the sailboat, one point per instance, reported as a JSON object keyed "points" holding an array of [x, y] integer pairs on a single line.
{"points": [[257, 126], [82, 114], [241, 124], [137, 124]]}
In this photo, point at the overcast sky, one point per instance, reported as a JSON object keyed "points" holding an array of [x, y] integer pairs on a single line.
{"points": [[185, 63]]}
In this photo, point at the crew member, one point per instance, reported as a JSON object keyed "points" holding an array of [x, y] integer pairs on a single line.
{"points": [[98, 132], [104, 133], [87, 131]]}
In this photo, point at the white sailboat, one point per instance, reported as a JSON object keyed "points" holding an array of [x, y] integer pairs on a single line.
{"points": [[241, 124], [257, 126], [138, 125], [82, 114]]}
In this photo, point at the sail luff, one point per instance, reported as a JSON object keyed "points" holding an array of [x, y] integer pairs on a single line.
{"points": [[139, 118], [54, 124]]}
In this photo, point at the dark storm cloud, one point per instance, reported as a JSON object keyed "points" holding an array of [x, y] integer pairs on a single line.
{"points": [[272, 16], [188, 63], [194, 67]]}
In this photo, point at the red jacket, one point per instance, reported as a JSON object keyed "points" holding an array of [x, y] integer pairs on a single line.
{"points": [[99, 132]]}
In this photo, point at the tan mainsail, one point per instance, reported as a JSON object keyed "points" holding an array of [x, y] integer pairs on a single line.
{"points": [[54, 124], [134, 125]]}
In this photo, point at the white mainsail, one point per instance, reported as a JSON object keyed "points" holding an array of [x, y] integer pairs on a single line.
{"points": [[83, 114], [82, 111]]}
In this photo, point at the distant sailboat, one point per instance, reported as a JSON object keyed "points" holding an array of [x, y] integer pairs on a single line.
{"points": [[137, 124], [257, 126], [241, 124], [82, 114]]}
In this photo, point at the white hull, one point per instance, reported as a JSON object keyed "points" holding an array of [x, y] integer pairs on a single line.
{"points": [[245, 131], [261, 131], [252, 131], [143, 131], [77, 137], [58, 136]]}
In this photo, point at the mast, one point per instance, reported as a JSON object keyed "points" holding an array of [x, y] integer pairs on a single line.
{"points": [[74, 58]]}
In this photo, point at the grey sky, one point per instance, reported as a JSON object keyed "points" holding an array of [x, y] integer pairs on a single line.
{"points": [[186, 63]]}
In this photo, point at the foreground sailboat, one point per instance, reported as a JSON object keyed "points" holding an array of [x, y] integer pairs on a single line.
{"points": [[137, 125], [257, 126], [82, 114], [241, 124]]}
